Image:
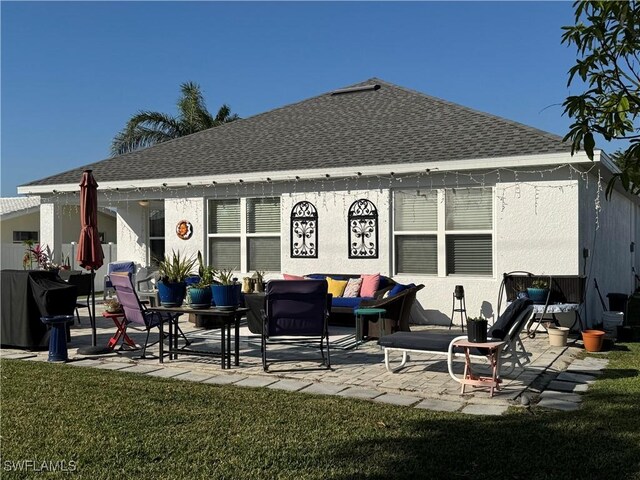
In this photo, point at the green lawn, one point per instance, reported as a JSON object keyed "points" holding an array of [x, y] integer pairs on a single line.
{"points": [[117, 425]]}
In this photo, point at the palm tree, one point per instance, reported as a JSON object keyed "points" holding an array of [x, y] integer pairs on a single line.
{"points": [[147, 128]]}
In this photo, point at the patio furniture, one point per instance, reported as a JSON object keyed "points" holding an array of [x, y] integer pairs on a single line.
{"points": [[113, 267], [362, 313], [83, 289], [135, 311], [398, 311], [469, 377], [224, 319], [19, 313], [299, 309], [507, 328], [566, 294], [146, 286], [121, 331]]}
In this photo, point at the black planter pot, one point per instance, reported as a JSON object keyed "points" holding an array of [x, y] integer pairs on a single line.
{"points": [[477, 331]]}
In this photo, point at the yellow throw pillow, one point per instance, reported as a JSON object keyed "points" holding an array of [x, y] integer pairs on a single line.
{"points": [[336, 287]]}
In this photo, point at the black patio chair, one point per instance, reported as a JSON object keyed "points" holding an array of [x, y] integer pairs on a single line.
{"points": [[296, 308]]}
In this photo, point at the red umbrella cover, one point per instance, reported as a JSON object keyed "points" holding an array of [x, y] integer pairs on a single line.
{"points": [[90, 254]]}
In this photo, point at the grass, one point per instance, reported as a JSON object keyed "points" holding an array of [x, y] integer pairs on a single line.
{"points": [[118, 425]]}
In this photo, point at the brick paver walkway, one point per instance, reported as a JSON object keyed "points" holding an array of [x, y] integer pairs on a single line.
{"points": [[358, 374]]}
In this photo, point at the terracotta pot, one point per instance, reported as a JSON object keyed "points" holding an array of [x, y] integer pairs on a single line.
{"points": [[593, 340]]}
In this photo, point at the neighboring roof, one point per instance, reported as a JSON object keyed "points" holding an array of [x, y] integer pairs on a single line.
{"points": [[384, 126], [15, 205]]}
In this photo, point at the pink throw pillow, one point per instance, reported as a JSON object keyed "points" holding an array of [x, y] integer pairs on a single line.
{"points": [[369, 285], [288, 276]]}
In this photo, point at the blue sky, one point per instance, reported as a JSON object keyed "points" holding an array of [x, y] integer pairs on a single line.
{"points": [[74, 72]]}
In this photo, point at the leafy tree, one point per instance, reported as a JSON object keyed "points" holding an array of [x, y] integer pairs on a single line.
{"points": [[147, 128], [607, 38]]}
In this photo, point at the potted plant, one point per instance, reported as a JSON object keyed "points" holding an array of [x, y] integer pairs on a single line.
{"points": [[539, 291], [112, 306], [477, 329], [173, 271], [259, 281], [226, 294], [200, 293]]}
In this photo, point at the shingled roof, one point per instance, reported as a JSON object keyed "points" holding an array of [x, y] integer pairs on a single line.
{"points": [[351, 127]]}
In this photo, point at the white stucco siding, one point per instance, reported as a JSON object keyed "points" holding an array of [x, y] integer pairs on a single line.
{"points": [[608, 235], [333, 250], [133, 231], [537, 227], [191, 210]]}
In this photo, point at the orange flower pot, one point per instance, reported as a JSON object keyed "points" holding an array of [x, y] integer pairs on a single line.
{"points": [[593, 340]]}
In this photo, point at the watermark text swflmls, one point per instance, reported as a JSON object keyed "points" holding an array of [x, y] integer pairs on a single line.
{"points": [[30, 465]]}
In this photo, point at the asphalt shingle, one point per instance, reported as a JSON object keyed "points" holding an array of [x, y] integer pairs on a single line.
{"points": [[384, 126]]}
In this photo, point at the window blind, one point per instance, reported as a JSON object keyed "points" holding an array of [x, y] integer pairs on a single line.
{"points": [[224, 252], [415, 212], [264, 253], [469, 209], [263, 215], [469, 255], [224, 216], [417, 254]]}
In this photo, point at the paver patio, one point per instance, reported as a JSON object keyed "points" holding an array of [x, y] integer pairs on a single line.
{"points": [[359, 374]]}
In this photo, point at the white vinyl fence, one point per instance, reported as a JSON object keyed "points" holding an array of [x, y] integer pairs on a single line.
{"points": [[12, 255]]}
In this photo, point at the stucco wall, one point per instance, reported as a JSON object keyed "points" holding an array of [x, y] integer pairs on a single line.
{"points": [[192, 210], [332, 233], [608, 235], [133, 231]]}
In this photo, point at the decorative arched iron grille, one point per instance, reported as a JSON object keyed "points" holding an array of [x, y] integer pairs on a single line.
{"points": [[363, 230], [304, 230]]}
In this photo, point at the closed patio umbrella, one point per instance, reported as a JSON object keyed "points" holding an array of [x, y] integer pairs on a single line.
{"points": [[90, 254]]}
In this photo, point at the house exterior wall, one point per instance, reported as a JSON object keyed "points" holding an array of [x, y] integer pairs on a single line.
{"points": [[333, 254], [133, 232], [608, 235], [192, 210], [29, 222]]}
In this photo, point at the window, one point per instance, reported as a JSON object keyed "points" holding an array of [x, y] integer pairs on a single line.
{"points": [[363, 229], [304, 230], [416, 232], [457, 222], [469, 224], [244, 234], [156, 232], [20, 237]]}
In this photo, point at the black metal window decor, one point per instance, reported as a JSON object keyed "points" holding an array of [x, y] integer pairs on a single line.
{"points": [[363, 230], [304, 230]]}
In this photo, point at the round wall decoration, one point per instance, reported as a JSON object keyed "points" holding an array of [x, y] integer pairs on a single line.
{"points": [[184, 230]]}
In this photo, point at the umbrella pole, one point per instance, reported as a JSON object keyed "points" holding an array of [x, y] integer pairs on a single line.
{"points": [[93, 308]]}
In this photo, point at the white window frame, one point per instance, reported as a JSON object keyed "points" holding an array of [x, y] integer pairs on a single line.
{"points": [[243, 235], [441, 236]]}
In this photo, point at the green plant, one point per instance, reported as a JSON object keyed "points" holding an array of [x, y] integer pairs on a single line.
{"points": [[259, 276], [175, 268], [539, 283], [476, 319], [206, 273], [224, 276], [112, 305]]}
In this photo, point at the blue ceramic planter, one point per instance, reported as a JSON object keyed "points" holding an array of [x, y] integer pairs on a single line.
{"points": [[538, 295], [226, 296], [200, 296], [172, 294]]}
